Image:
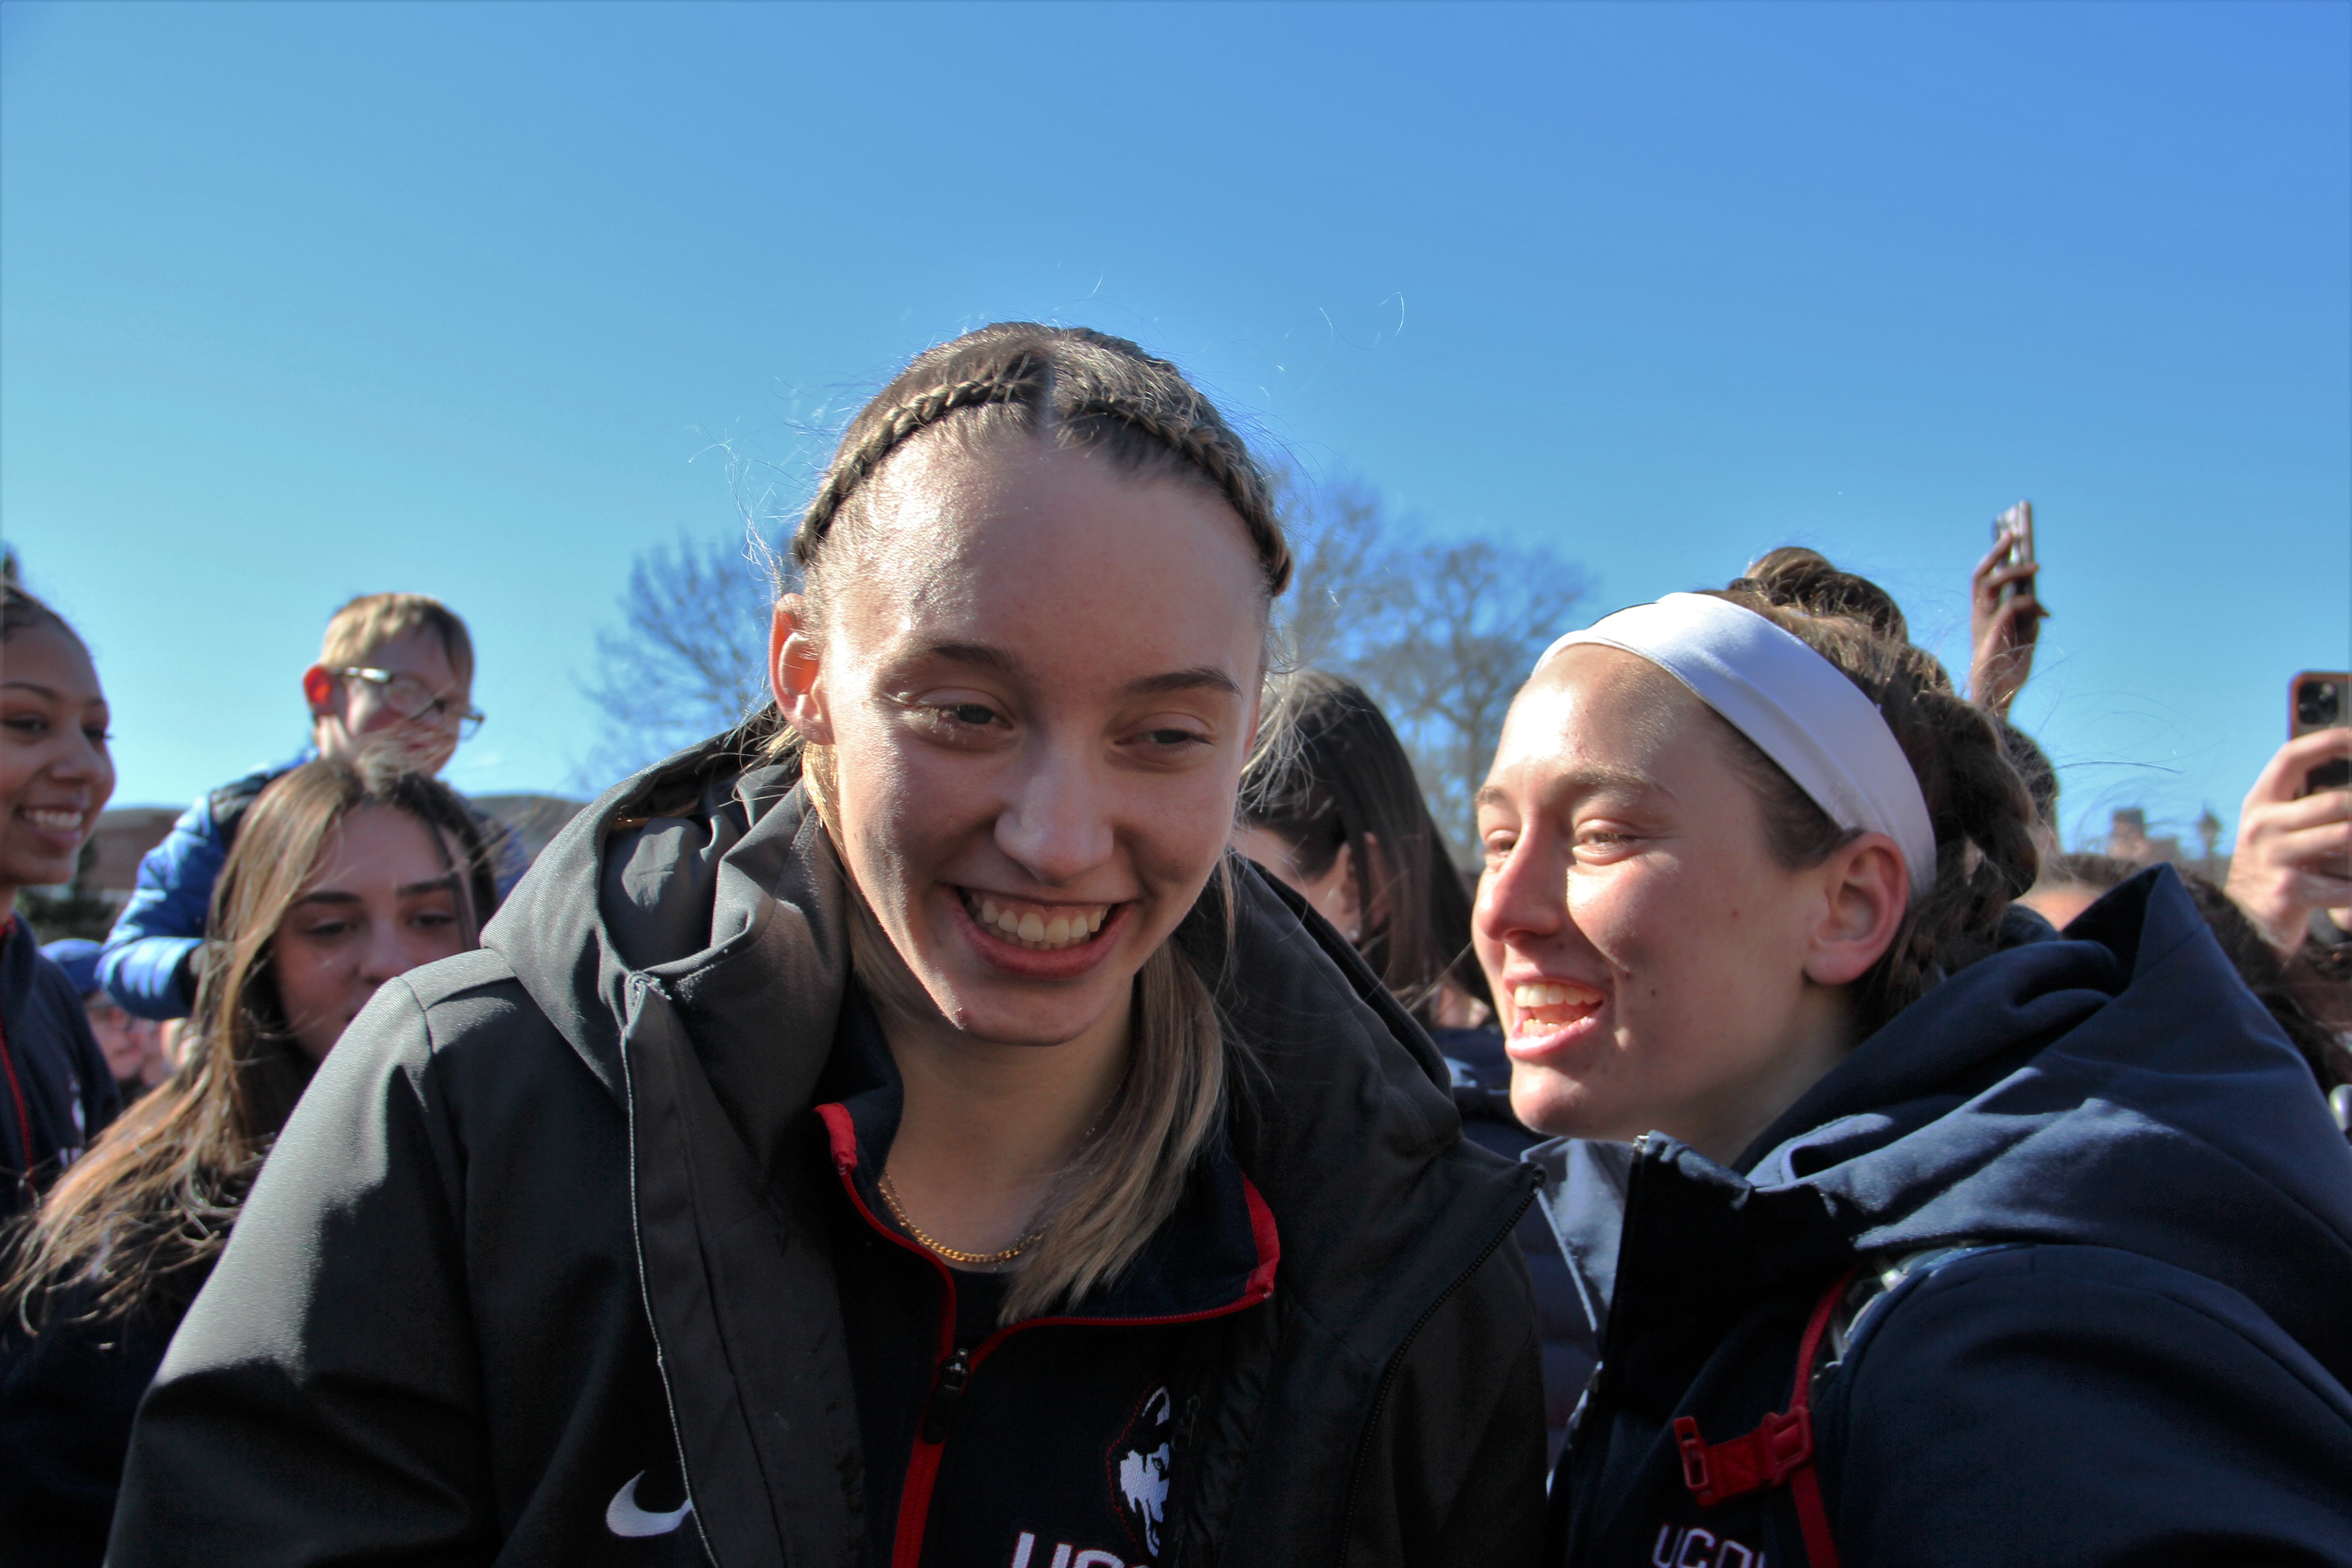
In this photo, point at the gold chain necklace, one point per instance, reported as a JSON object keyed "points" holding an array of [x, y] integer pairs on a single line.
{"points": [[898, 1212], [1020, 1243]]}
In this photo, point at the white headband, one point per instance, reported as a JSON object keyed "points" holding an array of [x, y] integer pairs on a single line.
{"points": [[1799, 708]]}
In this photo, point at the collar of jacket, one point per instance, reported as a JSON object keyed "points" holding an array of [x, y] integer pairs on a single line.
{"points": [[1215, 1254]]}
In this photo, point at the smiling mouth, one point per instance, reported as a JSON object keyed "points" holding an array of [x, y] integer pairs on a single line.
{"points": [[49, 820], [1039, 928], [1546, 1007]]}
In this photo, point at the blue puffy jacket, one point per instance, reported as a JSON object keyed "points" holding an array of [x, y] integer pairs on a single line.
{"points": [[2117, 1218], [163, 922]]}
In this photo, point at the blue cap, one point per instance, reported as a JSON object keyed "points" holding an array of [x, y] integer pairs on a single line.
{"points": [[79, 958]]}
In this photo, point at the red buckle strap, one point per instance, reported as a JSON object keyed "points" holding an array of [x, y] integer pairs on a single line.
{"points": [[1717, 1472], [1780, 1452]]}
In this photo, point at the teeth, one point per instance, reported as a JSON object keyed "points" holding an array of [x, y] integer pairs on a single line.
{"points": [[1535, 995], [1038, 931], [57, 821]]}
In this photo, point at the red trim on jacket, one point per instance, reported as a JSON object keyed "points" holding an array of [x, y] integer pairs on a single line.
{"points": [[923, 1463]]}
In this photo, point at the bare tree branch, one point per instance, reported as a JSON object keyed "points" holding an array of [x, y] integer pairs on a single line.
{"points": [[1476, 613], [689, 658]]}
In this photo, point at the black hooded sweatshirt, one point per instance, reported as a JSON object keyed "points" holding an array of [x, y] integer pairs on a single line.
{"points": [[550, 1267], [2119, 1225]]}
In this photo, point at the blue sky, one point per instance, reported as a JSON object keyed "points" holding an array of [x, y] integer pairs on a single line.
{"points": [[301, 301]]}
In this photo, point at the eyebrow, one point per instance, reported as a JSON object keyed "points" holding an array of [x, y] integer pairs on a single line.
{"points": [[1580, 782], [413, 890], [49, 691], [1201, 677]]}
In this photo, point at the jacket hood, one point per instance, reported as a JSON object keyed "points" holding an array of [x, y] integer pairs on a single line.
{"points": [[714, 883], [2118, 1086]]}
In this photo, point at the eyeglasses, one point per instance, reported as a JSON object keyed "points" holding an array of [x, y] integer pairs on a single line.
{"points": [[412, 698]]}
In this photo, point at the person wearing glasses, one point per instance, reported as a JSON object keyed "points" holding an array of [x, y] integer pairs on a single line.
{"points": [[394, 684]]}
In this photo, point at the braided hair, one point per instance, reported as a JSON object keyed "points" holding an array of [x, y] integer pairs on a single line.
{"points": [[1982, 813], [1076, 387]]}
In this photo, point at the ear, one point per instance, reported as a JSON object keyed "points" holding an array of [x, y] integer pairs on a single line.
{"points": [[1864, 894], [795, 664], [318, 689]]}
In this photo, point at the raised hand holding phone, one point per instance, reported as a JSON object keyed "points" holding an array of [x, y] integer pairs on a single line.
{"points": [[2004, 615], [2295, 833]]}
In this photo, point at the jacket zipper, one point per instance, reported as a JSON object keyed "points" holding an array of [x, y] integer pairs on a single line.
{"points": [[1388, 1373], [644, 1275], [952, 1377], [952, 1380], [1604, 1381]]}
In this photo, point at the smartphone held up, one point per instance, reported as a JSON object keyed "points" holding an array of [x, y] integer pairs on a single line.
{"points": [[2316, 701], [2015, 527]]}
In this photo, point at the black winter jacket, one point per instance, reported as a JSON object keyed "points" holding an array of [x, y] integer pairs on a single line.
{"points": [[56, 1093], [543, 1267], [2122, 1330]]}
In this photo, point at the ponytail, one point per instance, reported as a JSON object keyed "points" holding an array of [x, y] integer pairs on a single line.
{"points": [[1981, 811]]}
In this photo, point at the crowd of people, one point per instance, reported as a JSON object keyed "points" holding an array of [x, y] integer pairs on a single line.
{"points": [[1040, 1094]]}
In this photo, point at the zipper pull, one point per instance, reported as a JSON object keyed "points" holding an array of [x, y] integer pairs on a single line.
{"points": [[947, 1395]]}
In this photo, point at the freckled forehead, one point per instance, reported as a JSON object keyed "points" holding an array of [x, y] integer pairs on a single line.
{"points": [[1596, 710]]}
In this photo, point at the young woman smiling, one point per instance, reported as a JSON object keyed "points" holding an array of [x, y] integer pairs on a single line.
{"points": [[896, 1132], [338, 882], [1920, 1234], [56, 775]]}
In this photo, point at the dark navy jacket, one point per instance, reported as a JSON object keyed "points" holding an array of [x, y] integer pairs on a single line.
{"points": [[67, 1395], [56, 1092], [2144, 1359]]}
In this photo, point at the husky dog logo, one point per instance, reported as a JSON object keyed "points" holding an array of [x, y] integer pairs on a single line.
{"points": [[1139, 1463]]}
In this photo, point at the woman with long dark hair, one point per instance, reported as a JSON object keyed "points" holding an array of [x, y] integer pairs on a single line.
{"points": [[1925, 1235], [884, 1134], [1331, 806], [338, 882]]}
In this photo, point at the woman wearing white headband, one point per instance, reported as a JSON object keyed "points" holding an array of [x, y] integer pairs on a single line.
{"points": [[1915, 1233]]}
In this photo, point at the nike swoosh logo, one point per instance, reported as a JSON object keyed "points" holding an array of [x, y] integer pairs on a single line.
{"points": [[622, 1517]]}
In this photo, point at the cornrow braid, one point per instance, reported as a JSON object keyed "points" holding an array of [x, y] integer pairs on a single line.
{"points": [[1081, 388], [1976, 802], [852, 468], [1211, 448]]}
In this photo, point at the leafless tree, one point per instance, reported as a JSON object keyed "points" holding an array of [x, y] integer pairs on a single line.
{"points": [[1343, 586], [1473, 618], [1441, 633], [689, 656]]}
